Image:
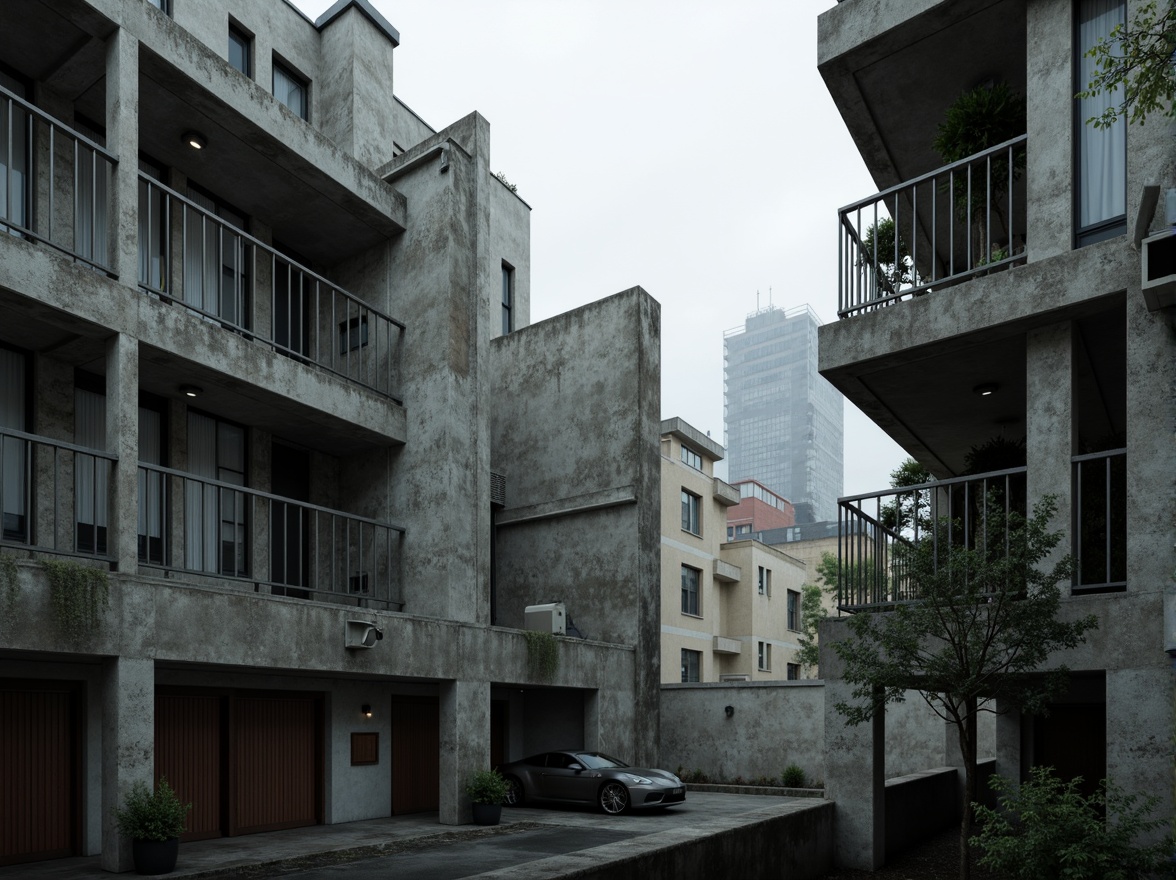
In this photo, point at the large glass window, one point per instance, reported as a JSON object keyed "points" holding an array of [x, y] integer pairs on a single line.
{"points": [[14, 451], [292, 90], [14, 160], [793, 610], [214, 516], [1102, 153], [690, 580], [691, 660]]}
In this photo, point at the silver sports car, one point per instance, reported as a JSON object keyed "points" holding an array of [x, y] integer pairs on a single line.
{"points": [[592, 778]]}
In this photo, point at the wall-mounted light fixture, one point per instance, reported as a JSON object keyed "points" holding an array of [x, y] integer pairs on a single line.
{"points": [[986, 389], [729, 711], [195, 140], [191, 390], [366, 710]]}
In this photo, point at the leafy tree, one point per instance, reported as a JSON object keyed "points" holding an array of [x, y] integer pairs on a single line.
{"points": [[886, 252], [1139, 58], [983, 628], [812, 610], [907, 509], [1047, 830]]}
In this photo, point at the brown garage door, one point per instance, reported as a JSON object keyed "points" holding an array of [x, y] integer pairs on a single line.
{"points": [[188, 752], [275, 764], [247, 761], [39, 795], [416, 755]]}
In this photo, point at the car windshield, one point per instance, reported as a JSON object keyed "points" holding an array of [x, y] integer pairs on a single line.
{"points": [[597, 761]]}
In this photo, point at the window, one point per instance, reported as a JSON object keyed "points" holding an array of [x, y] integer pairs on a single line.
{"points": [[216, 267], [764, 581], [691, 660], [163, 5], [1102, 153], [292, 90], [214, 515], [692, 458], [241, 50], [793, 671], [15, 397], [793, 610], [765, 657], [690, 579], [507, 299], [690, 513]]}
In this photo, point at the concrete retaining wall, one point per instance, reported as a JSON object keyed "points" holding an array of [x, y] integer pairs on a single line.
{"points": [[922, 804], [793, 842]]}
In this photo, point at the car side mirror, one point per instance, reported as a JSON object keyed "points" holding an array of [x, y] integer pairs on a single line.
{"points": [[576, 767]]}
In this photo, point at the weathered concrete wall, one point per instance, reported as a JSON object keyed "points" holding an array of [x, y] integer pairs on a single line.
{"points": [[590, 373], [783, 722], [510, 243]]}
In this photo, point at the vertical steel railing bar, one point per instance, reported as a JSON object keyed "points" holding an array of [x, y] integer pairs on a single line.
{"points": [[1107, 521]]}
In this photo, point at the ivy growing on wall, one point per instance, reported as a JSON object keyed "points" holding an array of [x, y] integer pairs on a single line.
{"points": [[78, 595], [542, 655]]}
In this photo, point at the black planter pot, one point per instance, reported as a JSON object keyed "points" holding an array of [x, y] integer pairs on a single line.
{"points": [[155, 856], [487, 814]]}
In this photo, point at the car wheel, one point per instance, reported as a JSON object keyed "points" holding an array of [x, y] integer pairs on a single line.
{"points": [[613, 798], [515, 796]]}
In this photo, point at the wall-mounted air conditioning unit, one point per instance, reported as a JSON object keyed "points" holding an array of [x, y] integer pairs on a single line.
{"points": [[551, 618], [1159, 271]]}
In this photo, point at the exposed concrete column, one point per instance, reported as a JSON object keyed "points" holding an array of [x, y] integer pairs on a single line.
{"points": [[128, 745], [1050, 220], [122, 437], [1049, 421], [122, 139], [465, 744], [855, 766]]}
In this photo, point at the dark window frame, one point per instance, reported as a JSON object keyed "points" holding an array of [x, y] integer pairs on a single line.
{"points": [[244, 39], [291, 73], [691, 593]]}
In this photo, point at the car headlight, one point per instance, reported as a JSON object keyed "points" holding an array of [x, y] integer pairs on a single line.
{"points": [[639, 780]]}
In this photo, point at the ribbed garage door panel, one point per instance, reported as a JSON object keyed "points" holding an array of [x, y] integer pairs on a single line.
{"points": [[416, 756], [274, 766], [188, 754], [37, 775]]}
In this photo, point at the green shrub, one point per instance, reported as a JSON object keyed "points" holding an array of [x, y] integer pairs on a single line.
{"points": [[793, 777], [147, 815], [487, 787], [1049, 830]]}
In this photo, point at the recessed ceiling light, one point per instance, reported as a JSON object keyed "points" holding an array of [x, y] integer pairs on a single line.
{"points": [[986, 389], [191, 390], [195, 140]]}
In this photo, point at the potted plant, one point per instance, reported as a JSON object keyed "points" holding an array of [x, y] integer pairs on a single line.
{"points": [[487, 789], [154, 820]]}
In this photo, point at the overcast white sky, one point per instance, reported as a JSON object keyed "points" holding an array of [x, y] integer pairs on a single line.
{"points": [[684, 146]]}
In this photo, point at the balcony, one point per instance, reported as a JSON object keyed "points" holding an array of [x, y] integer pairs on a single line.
{"points": [[876, 529], [190, 256], [57, 499], [945, 227], [56, 496], [54, 184]]}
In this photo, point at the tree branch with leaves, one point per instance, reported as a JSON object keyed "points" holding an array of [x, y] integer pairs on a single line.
{"points": [[1140, 58], [980, 635]]}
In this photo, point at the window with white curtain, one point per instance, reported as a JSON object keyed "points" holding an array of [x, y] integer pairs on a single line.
{"points": [[215, 516], [292, 90], [91, 474], [214, 259], [14, 451], [1102, 153], [153, 233], [91, 201], [152, 495]]}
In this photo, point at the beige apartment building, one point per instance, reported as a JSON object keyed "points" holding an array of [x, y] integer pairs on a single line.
{"points": [[730, 611]]}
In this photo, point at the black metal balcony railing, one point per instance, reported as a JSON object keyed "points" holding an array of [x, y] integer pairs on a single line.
{"points": [[55, 495], [959, 221], [54, 184], [232, 278], [292, 548], [875, 528], [1099, 526]]}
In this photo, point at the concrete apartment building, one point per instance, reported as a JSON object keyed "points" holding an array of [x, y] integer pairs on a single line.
{"points": [[266, 362], [730, 609], [784, 423], [1043, 310]]}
